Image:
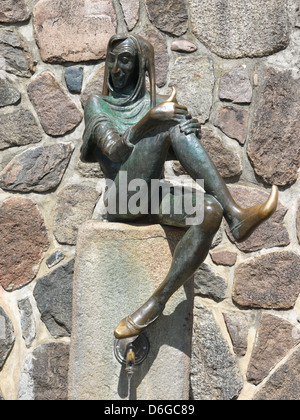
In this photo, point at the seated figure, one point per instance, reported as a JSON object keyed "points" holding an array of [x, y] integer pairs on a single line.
{"points": [[129, 129]]}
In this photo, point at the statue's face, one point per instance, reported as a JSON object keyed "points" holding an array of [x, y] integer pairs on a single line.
{"points": [[122, 65]]}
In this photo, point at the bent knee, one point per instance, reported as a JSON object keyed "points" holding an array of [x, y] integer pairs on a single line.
{"points": [[213, 212]]}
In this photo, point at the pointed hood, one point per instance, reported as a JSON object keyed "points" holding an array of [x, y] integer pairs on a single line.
{"points": [[145, 53]]}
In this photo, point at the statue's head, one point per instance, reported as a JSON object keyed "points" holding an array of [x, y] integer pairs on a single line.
{"points": [[122, 62], [129, 58]]}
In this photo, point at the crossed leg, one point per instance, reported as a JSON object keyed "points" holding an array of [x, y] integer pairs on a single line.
{"points": [[146, 162], [192, 249]]}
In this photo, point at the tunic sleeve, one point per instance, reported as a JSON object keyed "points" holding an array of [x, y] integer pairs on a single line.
{"points": [[100, 133]]}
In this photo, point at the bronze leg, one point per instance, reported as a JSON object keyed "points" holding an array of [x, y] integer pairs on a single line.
{"points": [[189, 254], [198, 164]]}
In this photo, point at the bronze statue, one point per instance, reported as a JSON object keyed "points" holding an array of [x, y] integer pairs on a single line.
{"points": [[133, 130]]}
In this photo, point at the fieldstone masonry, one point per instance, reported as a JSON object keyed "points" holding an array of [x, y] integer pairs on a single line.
{"points": [[236, 66]]}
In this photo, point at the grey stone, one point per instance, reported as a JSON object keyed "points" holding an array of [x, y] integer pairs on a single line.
{"points": [[297, 23], [161, 54], [118, 266], [217, 239], [8, 94], [274, 340], [234, 29], [75, 205], [93, 87], [208, 284], [27, 321], [169, 16], [55, 258], [53, 294], [193, 77], [214, 372], [18, 128], [288, 59], [90, 170], [45, 374], [7, 337], [37, 170], [131, 11], [298, 222], [237, 325], [273, 147], [74, 79], [283, 384], [15, 56], [235, 86]]}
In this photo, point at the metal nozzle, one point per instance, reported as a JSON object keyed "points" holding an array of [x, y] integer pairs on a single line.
{"points": [[130, 359]]}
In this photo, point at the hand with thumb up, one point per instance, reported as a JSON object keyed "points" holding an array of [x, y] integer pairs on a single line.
{"points": [[169, 111]]}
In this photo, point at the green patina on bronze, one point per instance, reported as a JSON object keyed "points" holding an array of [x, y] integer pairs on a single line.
{"points": [[133, 130]]}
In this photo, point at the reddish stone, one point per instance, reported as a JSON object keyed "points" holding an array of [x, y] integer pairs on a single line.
{"points": [[24, 240], [233, 122], [274, 340], [226, 258], [45, 374], [283, 384], [223, 156], [182, 45], [13, 11], [271, 281], [58, 114], [235, 86], [73, 31]]}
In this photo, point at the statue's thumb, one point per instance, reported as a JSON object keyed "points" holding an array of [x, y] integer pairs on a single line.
{"points": [[172, 98]]}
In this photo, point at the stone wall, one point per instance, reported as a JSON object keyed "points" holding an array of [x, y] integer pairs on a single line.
{"points": [[236, 66]]}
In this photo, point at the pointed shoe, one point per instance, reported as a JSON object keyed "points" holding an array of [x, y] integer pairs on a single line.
{"points": [[128, 328], [250, 219]]}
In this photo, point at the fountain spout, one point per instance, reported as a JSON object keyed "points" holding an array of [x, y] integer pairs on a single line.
{"points": [[130, 359], [131, 352]]}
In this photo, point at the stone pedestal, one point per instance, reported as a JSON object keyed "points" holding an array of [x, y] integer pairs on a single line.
{"points": [[118, 266]]}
